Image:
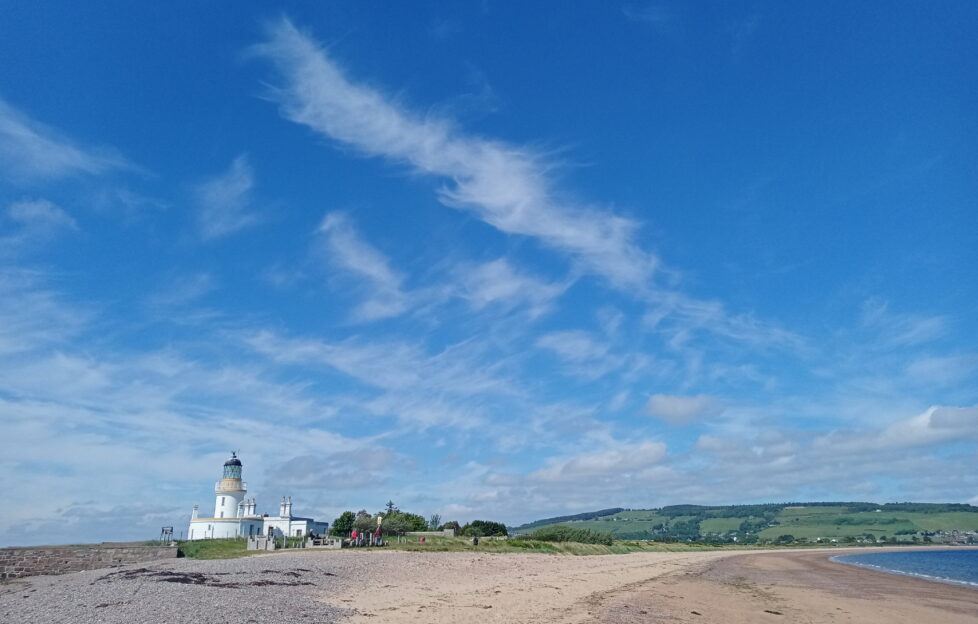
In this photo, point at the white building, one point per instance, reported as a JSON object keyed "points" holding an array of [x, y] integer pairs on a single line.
{"points": [[236, 516]]}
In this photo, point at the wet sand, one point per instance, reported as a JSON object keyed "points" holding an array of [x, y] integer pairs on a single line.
{"points": [[790, 586]]}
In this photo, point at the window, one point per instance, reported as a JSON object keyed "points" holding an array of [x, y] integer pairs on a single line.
{"points": [[222, 514], [222, 501], [298, 532]]}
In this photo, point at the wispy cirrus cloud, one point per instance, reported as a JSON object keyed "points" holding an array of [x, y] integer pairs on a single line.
{"points": [[225, 201], [41, 215], [574, 345], [30, 150], [499, 283], [34, 221], [651, 14], [400, 365], [505, 185], [33, 316], [350, 253], [900, 330]]}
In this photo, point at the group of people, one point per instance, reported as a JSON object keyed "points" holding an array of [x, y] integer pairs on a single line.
{"points": [[365, 538]]}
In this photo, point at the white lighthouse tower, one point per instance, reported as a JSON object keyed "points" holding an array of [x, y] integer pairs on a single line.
{"points": [[234, 516], [230, 490], [237, 516]]}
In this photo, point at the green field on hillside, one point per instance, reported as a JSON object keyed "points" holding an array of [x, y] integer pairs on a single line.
{"points": [[720, 525], [767, 523], [948, 521]]}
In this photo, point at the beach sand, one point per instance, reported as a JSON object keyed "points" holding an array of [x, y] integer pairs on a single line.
{"points": [[708, 587], [437, 588], [790, 586]]}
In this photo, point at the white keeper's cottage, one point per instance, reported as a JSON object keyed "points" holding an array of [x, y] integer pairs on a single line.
{"points": [[236, 516]]}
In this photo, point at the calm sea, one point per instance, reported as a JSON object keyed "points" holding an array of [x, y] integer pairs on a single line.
{"points": [[947, 566]]}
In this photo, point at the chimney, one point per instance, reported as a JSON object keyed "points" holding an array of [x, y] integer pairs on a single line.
{"points": [[281, 508], [288, 508], [193, 514]]}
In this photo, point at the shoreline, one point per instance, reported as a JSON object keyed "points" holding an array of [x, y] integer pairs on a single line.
{"points": [[925, 577]]}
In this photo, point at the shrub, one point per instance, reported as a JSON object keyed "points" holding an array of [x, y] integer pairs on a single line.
{"points": [[560, 533], [344, 524], [484, 528]]}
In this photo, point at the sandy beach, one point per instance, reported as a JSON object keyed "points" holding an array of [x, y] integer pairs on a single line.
{"points": [[790, 586], [357, 586]]}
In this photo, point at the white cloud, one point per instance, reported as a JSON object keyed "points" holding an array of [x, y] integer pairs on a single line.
{"points": [[456, 370], [621, 461], [582, 354], [34, 317], [225, 201], [574, 345], [936, 424], [679, 317], [182, 290], [497, 283], [41, 214], [941, 370], [386, 297], [29, 150], [900, 461], [36, 221], [682, 410], [651, 14], [504, 185], [901, 330], [341, 470]]}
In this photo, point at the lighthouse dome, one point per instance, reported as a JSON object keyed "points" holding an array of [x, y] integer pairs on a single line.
{"points": [[232, 467]]}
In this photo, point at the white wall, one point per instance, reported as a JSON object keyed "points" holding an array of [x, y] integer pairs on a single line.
{"points": [[226, 503], [222, 529], [290, 527], [207, 529]]}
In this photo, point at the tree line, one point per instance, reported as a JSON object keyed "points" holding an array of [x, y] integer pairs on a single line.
{"points": [[394, 521]]}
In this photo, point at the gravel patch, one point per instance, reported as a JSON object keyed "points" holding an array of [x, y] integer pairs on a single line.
{"points": [[279, 587]]}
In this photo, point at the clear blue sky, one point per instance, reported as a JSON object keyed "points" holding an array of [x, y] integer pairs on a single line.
{"points": [[486, 260]]}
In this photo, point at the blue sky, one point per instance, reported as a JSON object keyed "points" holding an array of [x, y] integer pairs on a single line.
{"points": [[486, 260]]}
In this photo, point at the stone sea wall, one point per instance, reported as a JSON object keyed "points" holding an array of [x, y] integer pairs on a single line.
{"points": [[36, 560]]}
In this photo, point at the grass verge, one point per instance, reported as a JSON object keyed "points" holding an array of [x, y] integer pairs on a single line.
{"points": [[464, 544], [233, 548], [216, 549]]}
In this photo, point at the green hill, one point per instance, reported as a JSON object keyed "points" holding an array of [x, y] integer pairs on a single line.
{"points": [[782, 522]]}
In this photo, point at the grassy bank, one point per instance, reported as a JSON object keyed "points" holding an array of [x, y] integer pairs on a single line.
{"points": [[464, 544], [233, 548], [215, 549]]}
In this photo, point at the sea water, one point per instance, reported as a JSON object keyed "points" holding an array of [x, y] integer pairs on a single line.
{"points": [[959, 567]]}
